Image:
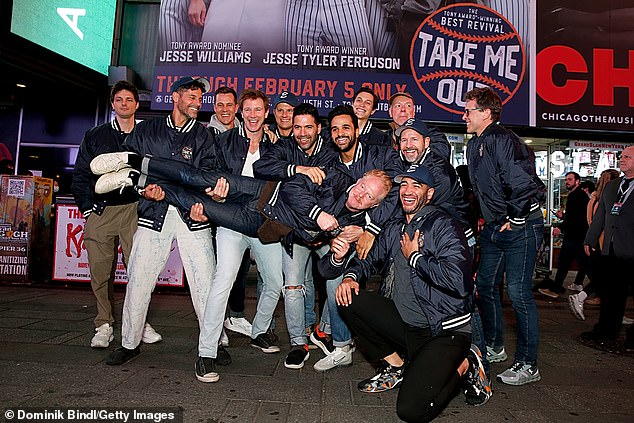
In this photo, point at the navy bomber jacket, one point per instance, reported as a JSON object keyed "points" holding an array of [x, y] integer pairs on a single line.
{"points": [[106, 138], [440, 271], [502, 171], [281, 160], [159, 137]]}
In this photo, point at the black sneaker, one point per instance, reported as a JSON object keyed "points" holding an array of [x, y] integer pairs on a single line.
{"points": [[206, 370], [388, 378], [477, 386], [121, 356], [264, 342], [222, 356], [323, 341], [296, 357]]}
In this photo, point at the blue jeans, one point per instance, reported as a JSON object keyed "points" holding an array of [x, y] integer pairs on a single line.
{"points": [[299, 303], [513, 252], [231, 248]]}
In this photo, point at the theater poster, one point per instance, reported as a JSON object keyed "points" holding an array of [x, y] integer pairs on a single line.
{"points": [[585, 64], [71, 258], [324, 50]]}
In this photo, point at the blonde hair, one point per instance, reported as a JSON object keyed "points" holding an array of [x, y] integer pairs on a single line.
{"points": [[386, 181]]}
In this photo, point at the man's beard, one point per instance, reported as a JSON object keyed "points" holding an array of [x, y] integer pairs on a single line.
{"points": [[350, 146]]}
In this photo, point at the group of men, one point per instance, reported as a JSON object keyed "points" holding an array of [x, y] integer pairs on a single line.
{"points": [[361, 200]]}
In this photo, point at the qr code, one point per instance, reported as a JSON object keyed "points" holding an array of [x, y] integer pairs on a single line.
{"points": [[17, 187]]}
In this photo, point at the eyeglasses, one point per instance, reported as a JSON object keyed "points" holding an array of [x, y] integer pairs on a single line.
{"points": [[467, 111]]}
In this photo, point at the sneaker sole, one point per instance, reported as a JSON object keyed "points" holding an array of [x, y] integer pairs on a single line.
{"points": [[479, 404], [552, 295], [208, 379], [536, 378], [237, 329], [381, 389], [346, 364], [571, 304], [297, 366], [319, 344], [269, 350], [151, 341], [497, 358]]}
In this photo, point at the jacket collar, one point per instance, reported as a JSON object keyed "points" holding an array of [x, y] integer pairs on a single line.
{"points": [[185, 128]]}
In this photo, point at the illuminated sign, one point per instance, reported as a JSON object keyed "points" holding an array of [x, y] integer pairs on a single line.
{"points": [[80, 30]]}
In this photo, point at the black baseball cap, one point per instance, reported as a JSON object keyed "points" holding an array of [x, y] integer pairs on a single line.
{"points": [[286, 97], [186, 80], [417, 125], [418, 173]]}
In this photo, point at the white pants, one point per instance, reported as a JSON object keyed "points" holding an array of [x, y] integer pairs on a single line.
{"points": [[150, 251]]}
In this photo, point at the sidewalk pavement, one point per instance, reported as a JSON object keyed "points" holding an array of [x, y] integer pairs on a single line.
{"points": [[46, 361]]}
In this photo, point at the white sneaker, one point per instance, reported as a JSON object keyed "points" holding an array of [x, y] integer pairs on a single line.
{"points": [[520, 374], [224, 339], [576, 306], [239, 324], [116, 180], [627, 320], [109, 162], [341, 356], [496, 356], [103, 335], [150, 336], [575, 287]]}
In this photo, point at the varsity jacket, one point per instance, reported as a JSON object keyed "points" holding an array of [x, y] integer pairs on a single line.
{"points": [[370, 135], [440, 271], [233, 146], [368, 157], [276, 130], [281, 160], [502, 171], [106, 138], [297, 202], [448, 193], [191, 144]]}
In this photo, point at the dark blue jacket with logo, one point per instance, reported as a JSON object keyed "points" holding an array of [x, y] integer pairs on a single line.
{"points": [[440, 271], [281, 160], [191, 144], [368, 157], [106, 138], [297, 202], [232, 147], [502, 171]]}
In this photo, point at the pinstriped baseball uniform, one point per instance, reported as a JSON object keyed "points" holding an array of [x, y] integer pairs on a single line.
{"points": [[328, 23], [517, 13], [258, 25], [174, 23], [385, 43]]}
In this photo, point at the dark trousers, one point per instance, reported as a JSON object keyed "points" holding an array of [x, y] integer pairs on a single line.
{"points": [[571, 250], [615, 277], [184, 186], [431, 379]]}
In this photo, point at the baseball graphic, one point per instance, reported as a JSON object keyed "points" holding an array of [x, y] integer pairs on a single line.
{"points": [[462, 47]]}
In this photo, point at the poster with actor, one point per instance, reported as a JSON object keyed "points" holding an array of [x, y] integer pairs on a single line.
{"points": [[324, 50]]}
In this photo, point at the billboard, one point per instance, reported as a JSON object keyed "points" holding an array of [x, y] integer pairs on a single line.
{"points": [[80, 30], [557, 64], [585, 64], [323, 51]]}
